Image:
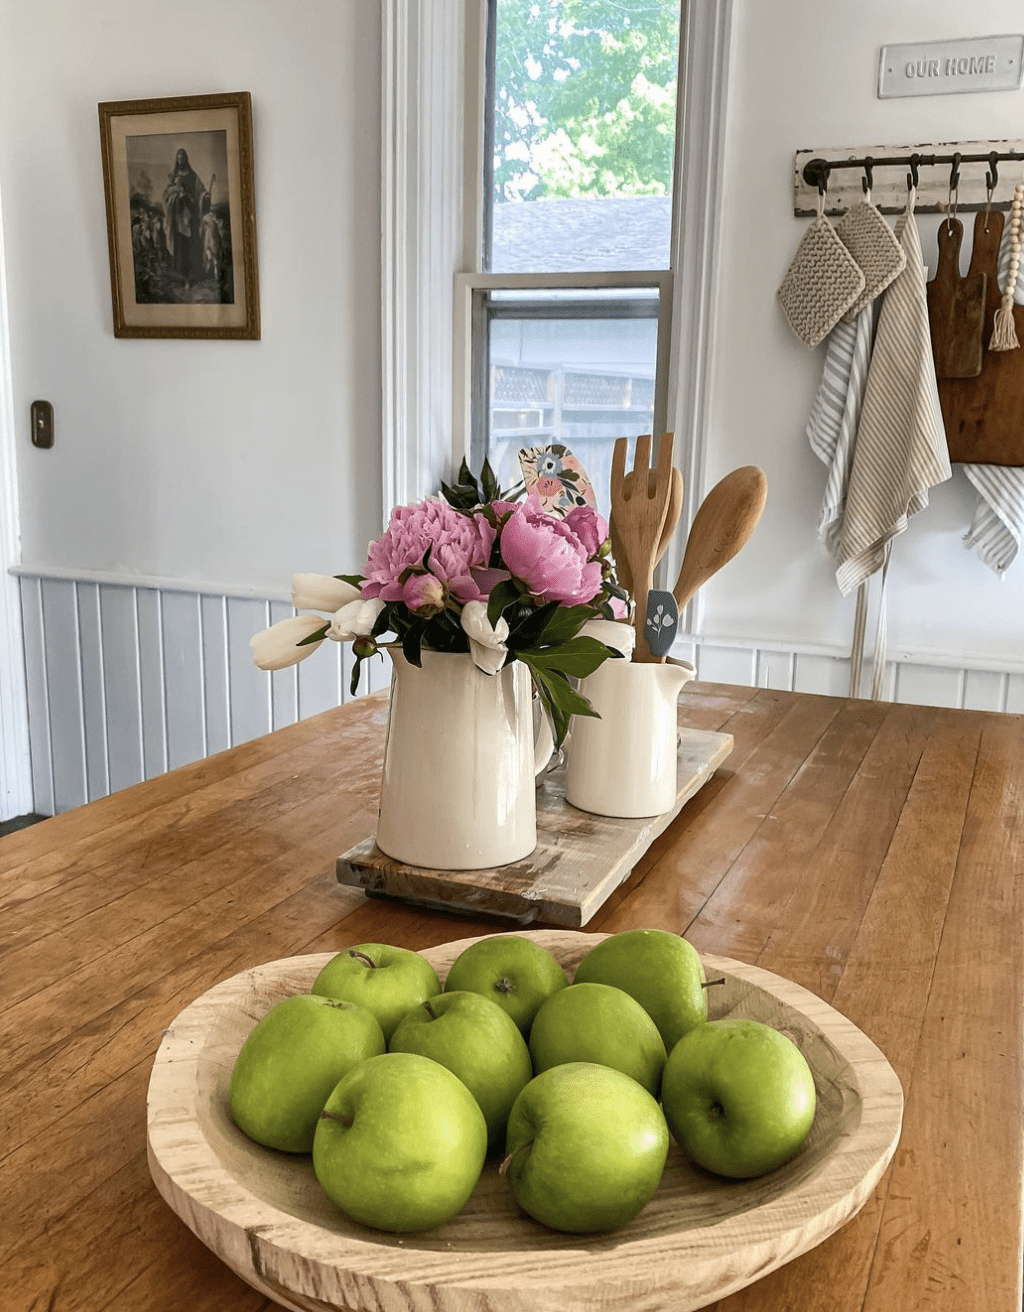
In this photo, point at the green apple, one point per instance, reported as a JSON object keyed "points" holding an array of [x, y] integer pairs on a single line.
{"points": [[661, 970], [479, 1043], [290, 1063], [739, 1097], [385, 980], [515, 972], [400, 1143], [586, 1148], [596, 1023]]}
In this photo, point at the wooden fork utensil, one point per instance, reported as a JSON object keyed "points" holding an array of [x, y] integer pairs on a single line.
{"points": [[639, 515], [675, 509]]}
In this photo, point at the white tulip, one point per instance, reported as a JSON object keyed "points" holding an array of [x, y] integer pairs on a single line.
{"points": [[321, 592], [486, 643], [355, 619], [277, 647]]}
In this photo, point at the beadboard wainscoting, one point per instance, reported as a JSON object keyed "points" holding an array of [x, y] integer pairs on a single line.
{"points": [[129, 678]]}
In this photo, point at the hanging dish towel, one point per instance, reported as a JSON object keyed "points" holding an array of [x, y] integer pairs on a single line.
{"points": [[832, 433], [901, 445], [835, 414], [997, 530]]}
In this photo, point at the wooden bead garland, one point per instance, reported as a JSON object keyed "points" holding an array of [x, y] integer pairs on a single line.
{"points": [[1004, 335]]}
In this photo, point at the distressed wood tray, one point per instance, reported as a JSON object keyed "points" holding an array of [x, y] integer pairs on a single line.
{"points": [[579, 860], [699, 1239]]}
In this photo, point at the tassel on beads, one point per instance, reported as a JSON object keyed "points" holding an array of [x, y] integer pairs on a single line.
{"points": [[1004, 334]]}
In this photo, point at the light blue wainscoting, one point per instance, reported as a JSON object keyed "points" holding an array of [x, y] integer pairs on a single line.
{"points": [[130, 678], [127, 680]]}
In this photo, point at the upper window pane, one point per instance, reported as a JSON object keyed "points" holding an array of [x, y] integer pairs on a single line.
{"points": [[582, 125]]}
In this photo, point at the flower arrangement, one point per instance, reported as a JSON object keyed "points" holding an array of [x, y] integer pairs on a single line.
{"points": [[470, 570]]}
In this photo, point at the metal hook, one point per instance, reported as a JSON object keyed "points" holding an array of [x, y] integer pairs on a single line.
{"points": [[992, 175], [823, 171], [913, 177], [867, 181], [954, 176]]}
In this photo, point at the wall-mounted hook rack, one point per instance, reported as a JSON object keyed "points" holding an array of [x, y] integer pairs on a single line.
{"points": [[968, 168]]}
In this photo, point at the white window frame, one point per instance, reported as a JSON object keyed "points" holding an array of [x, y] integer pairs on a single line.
{"points": [[16, 795], [433, 83], [468, 286]]}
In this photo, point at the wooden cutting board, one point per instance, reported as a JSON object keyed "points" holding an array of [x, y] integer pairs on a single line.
{"points": [[984, 416], [956, 309]]}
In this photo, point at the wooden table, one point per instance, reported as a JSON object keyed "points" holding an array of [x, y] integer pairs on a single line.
{"points": [[871, 852]]}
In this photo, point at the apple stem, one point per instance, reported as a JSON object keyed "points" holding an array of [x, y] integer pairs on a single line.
{"points": [[361, 956], [503, 1168], [708, 983], [346, 1121], [429, 1010], [504, 985]]}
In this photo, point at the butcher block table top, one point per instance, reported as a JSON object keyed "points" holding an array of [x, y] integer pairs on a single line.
{"points": [[872, 853]]}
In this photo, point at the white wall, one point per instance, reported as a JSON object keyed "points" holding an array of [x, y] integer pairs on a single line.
{"points": [[804, 77], [231, 462]]}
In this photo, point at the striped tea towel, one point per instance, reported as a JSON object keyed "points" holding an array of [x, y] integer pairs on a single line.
{"points": [[835, 414], [901, 444], [997, 529]]}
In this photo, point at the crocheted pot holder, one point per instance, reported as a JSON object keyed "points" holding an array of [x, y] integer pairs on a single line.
{"points": [[821, 283], [872, 243]]}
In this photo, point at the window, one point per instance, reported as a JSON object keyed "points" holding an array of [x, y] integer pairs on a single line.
{"points": [[569, 317], [433, 270]]}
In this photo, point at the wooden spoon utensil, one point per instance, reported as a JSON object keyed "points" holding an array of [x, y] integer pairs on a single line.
{"points": [[639, 517], [727, 517]]}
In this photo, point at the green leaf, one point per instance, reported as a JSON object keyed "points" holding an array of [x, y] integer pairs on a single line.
{"points": [[317, 635], [578, 657], [411, 645], [550, 625], [356, 671], [356, 580], [492, 492], [560, 699], [502, 594]]}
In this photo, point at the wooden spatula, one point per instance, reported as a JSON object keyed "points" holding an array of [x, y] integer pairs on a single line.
{"points": [[639, 517], [727, 517]]}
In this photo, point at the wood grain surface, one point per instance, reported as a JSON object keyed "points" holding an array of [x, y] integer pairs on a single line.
{"points": [[871, 853], [956, 309], [700, 1236], [984, 415]]}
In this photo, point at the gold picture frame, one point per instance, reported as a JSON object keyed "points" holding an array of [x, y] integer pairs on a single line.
{"points": [[181, 216]]}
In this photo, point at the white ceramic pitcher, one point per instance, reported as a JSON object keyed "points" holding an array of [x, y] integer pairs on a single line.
{"points": [[457, 789], [626, 763]]}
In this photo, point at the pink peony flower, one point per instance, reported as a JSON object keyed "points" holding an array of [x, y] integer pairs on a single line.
{"points": [[589, 527], [459, 543], [544, 553], [423, 594]]}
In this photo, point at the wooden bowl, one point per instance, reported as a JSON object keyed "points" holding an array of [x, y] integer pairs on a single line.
{"points": [[700, 1238]]}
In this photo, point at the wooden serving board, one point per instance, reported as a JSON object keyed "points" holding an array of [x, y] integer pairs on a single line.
{"points": [[579, 860], [984, 416], [700, 1238], [956, 309]]}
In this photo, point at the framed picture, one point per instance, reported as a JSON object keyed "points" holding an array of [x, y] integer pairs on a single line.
{"points": [[181, 216]]}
